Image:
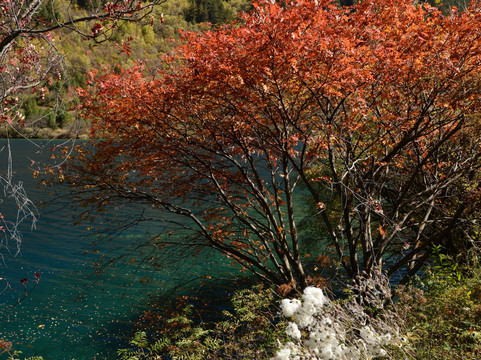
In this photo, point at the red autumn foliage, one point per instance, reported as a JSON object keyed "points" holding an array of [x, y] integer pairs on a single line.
{"points": [[364, 106]]}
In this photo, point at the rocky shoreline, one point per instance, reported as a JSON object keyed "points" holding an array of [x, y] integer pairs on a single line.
{"points": [[43, 133]]}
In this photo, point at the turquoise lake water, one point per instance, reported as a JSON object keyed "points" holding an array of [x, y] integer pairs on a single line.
{"points": [[72, 314]]}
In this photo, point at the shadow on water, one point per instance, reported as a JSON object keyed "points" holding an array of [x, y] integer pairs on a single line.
{"points": [[210, 297], [71, 314]]}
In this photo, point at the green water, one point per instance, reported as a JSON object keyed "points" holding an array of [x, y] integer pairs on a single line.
{"points": [[71, 313]]}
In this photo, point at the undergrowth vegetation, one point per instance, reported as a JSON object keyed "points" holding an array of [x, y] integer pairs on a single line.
{"points": [[251, 330], [442, 311], [437, 316]]}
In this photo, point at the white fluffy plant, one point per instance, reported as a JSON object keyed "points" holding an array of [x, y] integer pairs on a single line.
{"points": [[323, 330]]}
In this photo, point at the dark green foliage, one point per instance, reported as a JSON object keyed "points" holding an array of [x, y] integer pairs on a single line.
{"points": [[55, 119], [48, 13], [15, 355], [247, 332], [187, 341], [52, 120], [443, 312], [251, 330], [83, 3], [63, 118], [78, 79], [212, 11], [30, 107], [91, 4], [446, 5]]}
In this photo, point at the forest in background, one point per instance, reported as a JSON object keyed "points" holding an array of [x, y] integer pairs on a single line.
{"points": [[50, 113]]}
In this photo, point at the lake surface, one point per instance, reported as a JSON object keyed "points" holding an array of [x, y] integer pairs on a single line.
{"points": [[72, 314]]}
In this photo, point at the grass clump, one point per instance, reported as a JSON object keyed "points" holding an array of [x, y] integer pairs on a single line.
{"points": [[442, 312], [248, 331]]}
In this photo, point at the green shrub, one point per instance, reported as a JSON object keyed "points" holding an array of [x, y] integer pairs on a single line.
{"points": [[247, 332], [31, 107], [13, 354], [51, 120], [64, 118], [442, 312]]}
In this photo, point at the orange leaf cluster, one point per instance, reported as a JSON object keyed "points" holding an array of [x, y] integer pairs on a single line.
{"points": [[239, 113]]}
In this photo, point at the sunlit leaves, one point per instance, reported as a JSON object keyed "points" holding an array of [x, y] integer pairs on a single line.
{"points": [[363, 104]]}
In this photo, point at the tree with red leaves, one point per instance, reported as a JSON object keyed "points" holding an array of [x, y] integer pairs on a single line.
{"points": [[371, 109]]}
